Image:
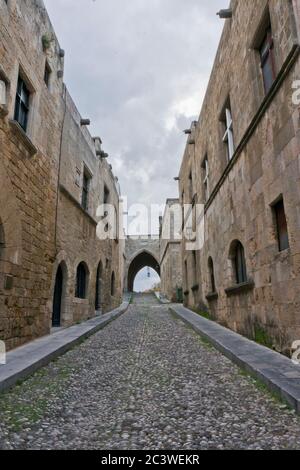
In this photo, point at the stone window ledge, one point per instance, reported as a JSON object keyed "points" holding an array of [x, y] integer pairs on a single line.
{"points": [[195, 288], [21, 134], [81, 301], [3, 110], [212, 296], [240, 288], [66, 192], [283, 255]]}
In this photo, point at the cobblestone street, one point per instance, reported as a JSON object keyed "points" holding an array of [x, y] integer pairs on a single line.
{"points": [[144, 382]]}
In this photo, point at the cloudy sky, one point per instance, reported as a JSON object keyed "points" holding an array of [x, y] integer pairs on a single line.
{"points": [[139, 70]]}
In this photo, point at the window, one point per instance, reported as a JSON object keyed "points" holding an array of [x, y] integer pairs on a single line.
{"points": [[85, 190], [281, 224], [267, 58], [228, 136], [2, 239], [113, 282], [47, 74], [22, 104], [191, 187], [240, 263], [194, 267], [3, 92], [81, 281], [106, 195], [211, 275], [186, 274], [205, 168]]}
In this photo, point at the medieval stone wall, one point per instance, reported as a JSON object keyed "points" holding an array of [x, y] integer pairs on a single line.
{"points": [[170, 251], [242, 192], [41, 223]]}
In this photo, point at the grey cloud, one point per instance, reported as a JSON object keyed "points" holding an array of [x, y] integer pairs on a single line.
{"points": [[139, 70]]}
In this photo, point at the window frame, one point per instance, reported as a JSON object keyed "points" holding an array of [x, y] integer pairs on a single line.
{"points": [[228, 137], [212, 278], [282, 239], [85, 190], [21, 103], [205, 168], [240, 266], [47, 74], [81, 281], [267, 58]]}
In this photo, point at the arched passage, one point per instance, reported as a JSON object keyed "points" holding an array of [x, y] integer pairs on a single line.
{"points": [[142, 260], [59, 294], [98, 297]]}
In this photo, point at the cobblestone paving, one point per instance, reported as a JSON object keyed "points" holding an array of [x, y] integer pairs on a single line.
{"points": [[144, 382]]}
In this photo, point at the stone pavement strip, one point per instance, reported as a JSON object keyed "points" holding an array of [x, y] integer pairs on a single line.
{"points": [[146, 381]]}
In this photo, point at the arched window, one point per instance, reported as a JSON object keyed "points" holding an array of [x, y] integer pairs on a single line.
{"points": [[113, 284], [211, 273], [81, 281], [98, 286], [239, 263]]}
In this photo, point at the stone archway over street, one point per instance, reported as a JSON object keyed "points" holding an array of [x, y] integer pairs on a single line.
{"points": [[140, 252]]}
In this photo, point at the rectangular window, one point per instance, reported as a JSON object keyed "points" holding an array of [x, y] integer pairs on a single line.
{"points": [[85, 190], [191, 187], [228, 136], [205, 169], [106, 195], [3, 92], [22, 104], [47, 74], [267, 58], [281, 225]]}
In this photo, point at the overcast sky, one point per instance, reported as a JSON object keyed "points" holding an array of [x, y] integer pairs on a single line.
{"points": [[139, 70]]}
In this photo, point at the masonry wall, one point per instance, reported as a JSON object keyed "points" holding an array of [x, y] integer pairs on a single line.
{"points": [[170, 252], [28, 173], [41, 222], [264, 168]]}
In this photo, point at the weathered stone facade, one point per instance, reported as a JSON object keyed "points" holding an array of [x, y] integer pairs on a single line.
{"points": [[41, 222], [241, 194], [170, 252]]}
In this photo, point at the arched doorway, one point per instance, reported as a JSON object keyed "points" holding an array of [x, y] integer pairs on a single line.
{"points": [[113, 284], [142, 260], [98, 297], [57, 298]]}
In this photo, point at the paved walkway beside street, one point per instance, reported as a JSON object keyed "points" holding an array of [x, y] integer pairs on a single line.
{"points": [[146, 381]]}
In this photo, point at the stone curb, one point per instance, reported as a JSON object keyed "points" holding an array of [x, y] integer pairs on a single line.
{"points": [[277, 372], [162, 300], [25, 360]]}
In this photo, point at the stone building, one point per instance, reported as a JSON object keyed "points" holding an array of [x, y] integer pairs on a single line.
{"points": [[170, 252], [86, 275], [40, 219], [242, 162]]}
